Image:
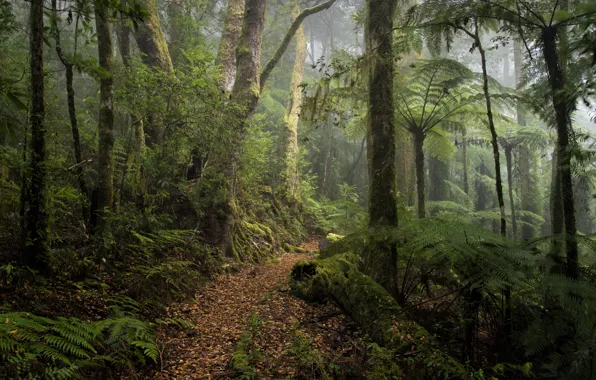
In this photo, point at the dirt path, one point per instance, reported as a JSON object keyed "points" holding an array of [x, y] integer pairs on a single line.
{"points": [[222, 314]]}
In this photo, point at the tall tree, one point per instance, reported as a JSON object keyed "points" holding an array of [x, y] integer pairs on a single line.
{"points": [[381, 135], [228, 43], [105, 164], [72, 113], [151, 41], [36, 216], [290, 177]]}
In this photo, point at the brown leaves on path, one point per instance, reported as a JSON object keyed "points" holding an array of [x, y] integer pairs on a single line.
{"points": [[220, 317], [221, 314]]}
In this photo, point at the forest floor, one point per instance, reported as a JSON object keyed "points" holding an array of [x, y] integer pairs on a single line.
{"points": [[288, 338]]}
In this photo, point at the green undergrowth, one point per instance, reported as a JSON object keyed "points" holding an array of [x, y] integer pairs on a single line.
{"points": [[35, 347], [411, 346], [246, 354]]}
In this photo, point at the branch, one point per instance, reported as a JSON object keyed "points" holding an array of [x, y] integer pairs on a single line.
{"points": [[288, 37]]}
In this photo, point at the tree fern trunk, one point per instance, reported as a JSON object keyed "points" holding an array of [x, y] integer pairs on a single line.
{"points": [[557, 84], [419, 158]]}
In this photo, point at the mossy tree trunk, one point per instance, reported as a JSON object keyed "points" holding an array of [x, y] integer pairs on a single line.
{"points": [[291, 186], [105, 164], [228, 43], [382, 208], [557, 84], [245, 96], [137, 147], [151, 41], [36, 220], [155, 54]]}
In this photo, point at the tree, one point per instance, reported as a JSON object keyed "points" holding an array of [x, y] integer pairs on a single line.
{"points": [[432, 93], [291, 186], [105, 164], [72, 113], [36, 216], [382, 209], [229, 40]]}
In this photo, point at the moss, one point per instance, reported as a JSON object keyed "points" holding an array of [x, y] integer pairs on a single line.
{"points": [[364, 300]]}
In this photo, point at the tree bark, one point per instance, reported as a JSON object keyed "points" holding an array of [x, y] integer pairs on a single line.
{"points": [[151, 41], [36, 216], [508, 151], [420, 190], [228, 43], [291, 176], [74, 125], [465, 162], [105, 191], [557, 84], [382, 208], [245, 95]]}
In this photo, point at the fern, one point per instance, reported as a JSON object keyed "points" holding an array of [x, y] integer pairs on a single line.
{"points": [[64, 348]]}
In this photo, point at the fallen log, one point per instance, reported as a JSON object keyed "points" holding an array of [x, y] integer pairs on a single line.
{"points": [[413, 349]]}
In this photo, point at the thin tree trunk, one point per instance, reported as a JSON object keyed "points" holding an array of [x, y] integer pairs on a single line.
{"points": [[74, 126], [350, 176], [382, 208], [291, 175], [528, 203], [105, 192], [551, 58], [493, 132], [510, 183], [420, 190], [465, 161], [228, 43], [36, 216]]}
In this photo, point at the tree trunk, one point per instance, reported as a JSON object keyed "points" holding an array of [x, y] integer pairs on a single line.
{"points": [[151, 41], [138, 129], [382, 208], [465, 162], [291, 176], [105, 191], [526, 160], [508, 151], [551, 58], [74, 126], [245, 95], [420, 190], [228, 43], [493, 132], [36, 216]]}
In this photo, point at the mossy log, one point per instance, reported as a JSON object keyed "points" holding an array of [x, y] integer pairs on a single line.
{"points": [[377, 313]]}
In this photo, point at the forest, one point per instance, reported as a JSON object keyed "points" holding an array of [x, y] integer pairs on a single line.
{"points": [[297, 189]]}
